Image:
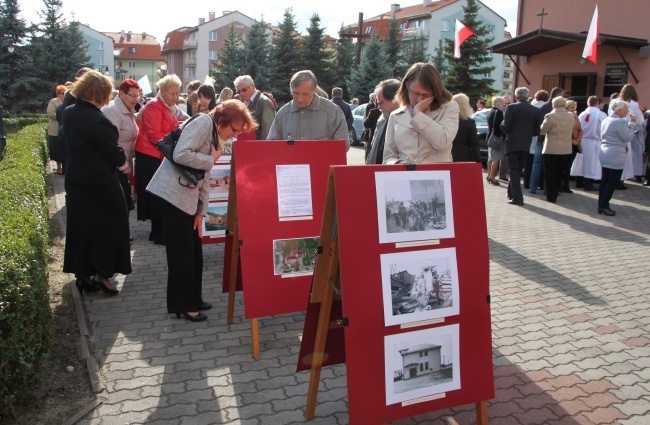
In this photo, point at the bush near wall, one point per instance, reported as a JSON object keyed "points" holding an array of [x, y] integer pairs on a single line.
{"points": [[13, 125], [25, 316]]}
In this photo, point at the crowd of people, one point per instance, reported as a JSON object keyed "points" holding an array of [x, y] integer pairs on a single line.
{"points": [[98, 142]]}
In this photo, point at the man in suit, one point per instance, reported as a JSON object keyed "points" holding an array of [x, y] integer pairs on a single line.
{"points": [[261, 107], [520, 123], [337, 99]]}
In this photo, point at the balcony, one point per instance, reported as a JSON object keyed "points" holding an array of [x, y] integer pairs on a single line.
{"points": [[189, 62], [411, 33], [190, 44]]}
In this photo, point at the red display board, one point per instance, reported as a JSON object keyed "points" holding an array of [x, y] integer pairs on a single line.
{"points": [[265, 293], [363, 296]]}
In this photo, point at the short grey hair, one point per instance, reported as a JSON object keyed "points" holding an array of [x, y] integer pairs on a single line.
{"points": [[388, 88], [303, 76], [618, 104], [337, 91], [521, 92], [245, 79], [497, 100], [373, 96], [169, 81], [559, 102]]}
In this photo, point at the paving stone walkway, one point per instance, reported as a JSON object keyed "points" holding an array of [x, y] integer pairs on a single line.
{"points": [[570, 318]]}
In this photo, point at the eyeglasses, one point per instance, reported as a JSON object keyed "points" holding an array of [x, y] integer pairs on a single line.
{"points": [[245, 89], [234, 130], [133, 96], [416, 95]]}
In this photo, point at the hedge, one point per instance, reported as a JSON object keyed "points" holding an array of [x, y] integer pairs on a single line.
{"points": [[12, 125], [25, 316]]}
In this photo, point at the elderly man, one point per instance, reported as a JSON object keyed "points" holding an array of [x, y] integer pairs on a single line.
{"points": [[308, 116], [261, 107], [386, 103], [337, 99], [520, 123]]}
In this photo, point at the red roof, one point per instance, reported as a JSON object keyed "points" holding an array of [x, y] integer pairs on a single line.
{"points": [[410, 11], [146, 46], [174, 39]]}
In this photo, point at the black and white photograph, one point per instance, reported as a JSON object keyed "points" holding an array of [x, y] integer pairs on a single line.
{"points": [[295, 257], [419, 285], [414, 206], [214, 222], [421, 363], [219, 182]]}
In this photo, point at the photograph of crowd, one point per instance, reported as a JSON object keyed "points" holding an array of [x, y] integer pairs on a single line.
{"points": [[414, 205]]}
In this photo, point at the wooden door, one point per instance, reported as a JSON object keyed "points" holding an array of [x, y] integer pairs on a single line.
{"points": [[550, 81]]}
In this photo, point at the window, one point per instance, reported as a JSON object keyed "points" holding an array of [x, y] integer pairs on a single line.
{"points": [[445, 25], [486, 75], [368, 29], [421, 367], [118, 64], [213, 36], [131, 49], [100, 61], [490, 29], [506, 75], [167, 40], [170, 59], [213, 55], [131, 64], [426, 365], [100, 45], [403, 25]]}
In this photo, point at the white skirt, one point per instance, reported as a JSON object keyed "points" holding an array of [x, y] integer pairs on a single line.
{"points": [[591, 155], [628, 170]]}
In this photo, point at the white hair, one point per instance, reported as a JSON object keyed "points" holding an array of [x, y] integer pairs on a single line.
{"points": [[618, 104], [247, 79]]}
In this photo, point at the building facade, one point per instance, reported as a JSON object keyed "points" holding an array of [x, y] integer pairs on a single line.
{"points": [[420, 360], [434, 20], [173, 51], [137, 56], [100, 49], [547, 51]]}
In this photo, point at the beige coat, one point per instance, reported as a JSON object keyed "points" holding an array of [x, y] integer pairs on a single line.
{"points": [[558, 128], [53, 125], [426, 138], [124, 120]]}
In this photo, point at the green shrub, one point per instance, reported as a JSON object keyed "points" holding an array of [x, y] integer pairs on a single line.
{"points": [[25, 316], [13, 125]]}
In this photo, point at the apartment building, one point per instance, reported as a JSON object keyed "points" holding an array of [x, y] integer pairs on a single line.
{"points": [[136, 56], [100, 49]]}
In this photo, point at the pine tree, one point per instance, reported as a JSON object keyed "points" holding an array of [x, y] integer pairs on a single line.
{"points": [[392, 49], [414, 51], [286, 55], [17, 75], [315, 57], [257, 63], [439, 59], [466, 74], [344, 62], [371, 72], [231, 60]]}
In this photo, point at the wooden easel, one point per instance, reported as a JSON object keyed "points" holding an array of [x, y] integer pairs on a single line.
{"points": [[326, 287], [232, 230]]}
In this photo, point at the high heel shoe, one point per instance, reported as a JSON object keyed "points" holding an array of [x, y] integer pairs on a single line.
{"points": [[105, 289], [198, 318], [492, 181], [606, 211], [82, 286]]}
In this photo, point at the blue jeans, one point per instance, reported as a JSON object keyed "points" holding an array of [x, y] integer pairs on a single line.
{"points": [[537, 167]]}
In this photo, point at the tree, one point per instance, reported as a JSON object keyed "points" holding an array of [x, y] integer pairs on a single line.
{"points": [[414, 51], [231, 60], [286, 55], [17, 75], [392, 49], [315, 57], [467, 73], [439, 59], [257, 63], [371, 72], [344, 62]]}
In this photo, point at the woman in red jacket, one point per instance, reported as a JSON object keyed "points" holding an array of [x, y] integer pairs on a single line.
{"points": [[156, 120]]}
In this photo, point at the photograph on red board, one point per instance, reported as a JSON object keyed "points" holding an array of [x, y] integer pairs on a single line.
{"points": [[214, 222], [421, 364], [295, 257], [414, 206], [219, 182], [419, 285]]}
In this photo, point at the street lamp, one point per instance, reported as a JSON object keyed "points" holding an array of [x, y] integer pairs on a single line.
{"points": [[103, 69]]}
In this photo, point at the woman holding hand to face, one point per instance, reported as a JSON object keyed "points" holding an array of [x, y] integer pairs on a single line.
{"points": [[423, 129]]}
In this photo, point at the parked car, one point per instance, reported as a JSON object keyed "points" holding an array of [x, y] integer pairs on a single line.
{"points": [[480, 118], [357, 127]]}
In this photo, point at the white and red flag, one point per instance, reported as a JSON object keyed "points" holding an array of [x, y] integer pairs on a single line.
{"points": [[462, 33], [591, 45]]}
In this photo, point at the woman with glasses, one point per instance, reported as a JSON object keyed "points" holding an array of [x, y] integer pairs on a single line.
{"points": [[121, 112], [423, 129], [184, 206], [157, 118]]}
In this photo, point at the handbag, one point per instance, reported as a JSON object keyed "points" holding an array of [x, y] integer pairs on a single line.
{"points": [[365, 136], [495, 142], [166, 146]]}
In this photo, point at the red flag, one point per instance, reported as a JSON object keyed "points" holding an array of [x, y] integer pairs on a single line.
{"points": [[591, 45], [462, 33]]}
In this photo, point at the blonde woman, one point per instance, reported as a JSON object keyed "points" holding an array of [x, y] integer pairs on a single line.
{"points": [[495, 156], [157, 118], [226, 94], [465, 146]]}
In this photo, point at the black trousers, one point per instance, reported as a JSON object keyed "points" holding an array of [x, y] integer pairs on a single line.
{"points": [[553, 165], [528, 168], [516, 162], [566, 169], [608, 182], [184, 259], [145, 167]]}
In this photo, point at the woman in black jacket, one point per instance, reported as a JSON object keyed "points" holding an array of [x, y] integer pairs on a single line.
{"points": [[97, 233], [465, 145]]}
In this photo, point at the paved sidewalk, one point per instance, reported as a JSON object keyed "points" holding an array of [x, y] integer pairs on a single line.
{"points": [[570, 318]]}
